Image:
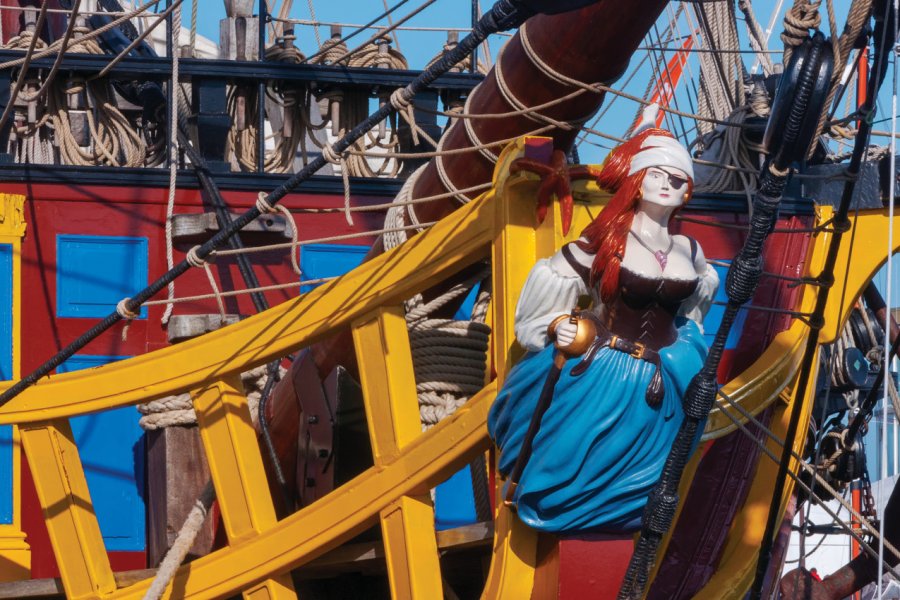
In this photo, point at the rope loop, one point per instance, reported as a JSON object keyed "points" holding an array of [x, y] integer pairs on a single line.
{"points": [[193, 259], [329, 154], [401, 98], [779, 172], [263, 205], [125, 312]]}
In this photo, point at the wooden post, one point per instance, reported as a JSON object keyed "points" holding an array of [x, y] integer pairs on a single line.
{"points": [[177, 472]]}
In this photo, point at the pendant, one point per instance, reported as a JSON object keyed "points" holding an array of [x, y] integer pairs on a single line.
{"points": [[662, 258]]}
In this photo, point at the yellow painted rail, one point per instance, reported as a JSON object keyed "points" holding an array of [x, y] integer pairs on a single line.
{"points": [[394, 492]]}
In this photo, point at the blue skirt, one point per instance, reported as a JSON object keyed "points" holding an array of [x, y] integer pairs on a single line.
{"points": [[600, 448]]}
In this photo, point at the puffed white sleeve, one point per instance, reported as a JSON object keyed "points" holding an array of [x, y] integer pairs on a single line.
{"points": [[552, 289], [696, 307]]}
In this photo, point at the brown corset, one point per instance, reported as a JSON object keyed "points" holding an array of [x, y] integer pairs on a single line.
{"points": [[645, 308]]}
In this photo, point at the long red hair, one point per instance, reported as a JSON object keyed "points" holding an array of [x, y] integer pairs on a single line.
{"points": [[607, 234]]}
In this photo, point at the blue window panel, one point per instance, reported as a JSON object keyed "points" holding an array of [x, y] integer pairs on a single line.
{"points": [[454, 502], [111, 446], [713, 318], [6, 311], [318, 261], [6, 373], [95, 272]]}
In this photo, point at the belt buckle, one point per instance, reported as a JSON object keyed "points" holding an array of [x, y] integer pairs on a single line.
{"points": [[638, 351], [638, 348]]}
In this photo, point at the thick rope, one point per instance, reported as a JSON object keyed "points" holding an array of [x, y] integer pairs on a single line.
{"points": [[183, 542], [178, 410], [802, 17], [449, 356], [173, 159], [757, 38], [856, 20]]}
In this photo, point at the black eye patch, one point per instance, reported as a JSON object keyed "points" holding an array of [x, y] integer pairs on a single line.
{"points": [[676, 181]]}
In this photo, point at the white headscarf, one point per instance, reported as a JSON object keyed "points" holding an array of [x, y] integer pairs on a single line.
{"points": [[662, 151]]}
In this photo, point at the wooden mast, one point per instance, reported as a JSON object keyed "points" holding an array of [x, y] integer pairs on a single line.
{"points": [[590, 45]]}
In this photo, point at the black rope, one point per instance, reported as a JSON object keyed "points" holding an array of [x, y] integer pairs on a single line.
{"points": [[740, 285], [505, 14], [884, 43]]}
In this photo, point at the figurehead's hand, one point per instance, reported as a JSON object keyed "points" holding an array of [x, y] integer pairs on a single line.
{"points": [[556, 180], [572, 334]]}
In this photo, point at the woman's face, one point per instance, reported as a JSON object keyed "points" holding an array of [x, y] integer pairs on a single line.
{"points": [[665, 186]]}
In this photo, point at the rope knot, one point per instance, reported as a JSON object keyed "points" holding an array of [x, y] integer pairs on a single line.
{"points": [[125, 312], [263, 205], [194, 259], [329, 154], [401, 98]]}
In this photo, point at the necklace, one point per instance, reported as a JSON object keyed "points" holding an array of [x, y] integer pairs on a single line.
{"points": [[661, 256]]}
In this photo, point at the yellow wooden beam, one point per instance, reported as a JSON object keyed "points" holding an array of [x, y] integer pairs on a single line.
{"points": [[863, 251], [236, 468], [410, 548], [15, 553], [68, 511], [737, 565], [388, 382], [392, 412], [428, 258], [312, 531]]}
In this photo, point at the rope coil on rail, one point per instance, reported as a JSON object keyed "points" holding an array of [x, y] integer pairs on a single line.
{"points": [[178, 410]]}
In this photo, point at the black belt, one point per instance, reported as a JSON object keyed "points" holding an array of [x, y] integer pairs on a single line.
{"points": [[606, 339]]}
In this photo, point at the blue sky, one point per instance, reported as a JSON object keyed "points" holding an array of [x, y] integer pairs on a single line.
{"points": [[419, 47]]}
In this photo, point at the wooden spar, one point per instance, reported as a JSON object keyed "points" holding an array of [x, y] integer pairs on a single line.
{"points": [[590, 45]]}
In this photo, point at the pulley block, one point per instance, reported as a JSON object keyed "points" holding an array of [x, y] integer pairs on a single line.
{"points": [[854, 370], [799, 101], [845, 459]]}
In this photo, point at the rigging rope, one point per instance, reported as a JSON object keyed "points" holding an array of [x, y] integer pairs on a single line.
{"points": [[173, 158], [818, 479]]}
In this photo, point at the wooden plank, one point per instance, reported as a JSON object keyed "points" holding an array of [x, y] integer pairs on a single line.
{"points": [[176, 474], [68, 511], [392, 410], [237, 472]]}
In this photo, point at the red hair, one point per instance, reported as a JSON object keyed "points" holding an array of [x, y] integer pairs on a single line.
{"points": [[607, 234]]}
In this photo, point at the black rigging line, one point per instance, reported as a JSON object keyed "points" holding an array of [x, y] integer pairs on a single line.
{"points": [[245, 267]]}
